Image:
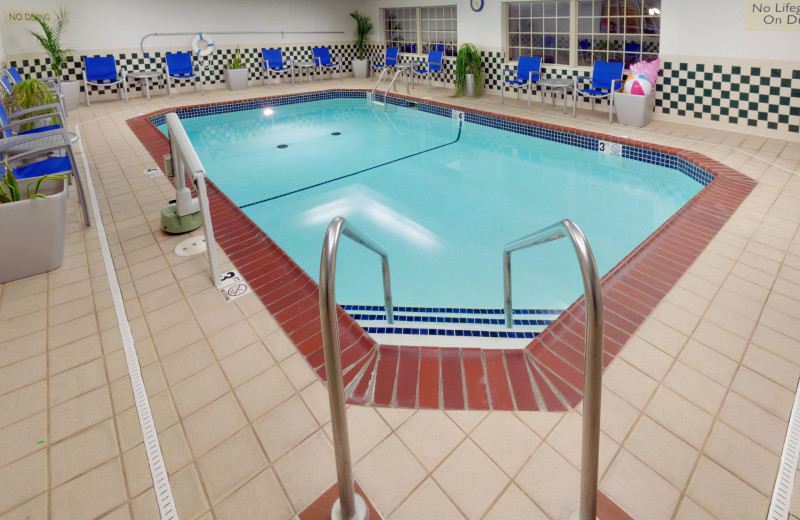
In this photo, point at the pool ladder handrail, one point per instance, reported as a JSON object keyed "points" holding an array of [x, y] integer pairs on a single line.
{"points": [[593, 364], [386, 94], [350, 505], [184, 159]]}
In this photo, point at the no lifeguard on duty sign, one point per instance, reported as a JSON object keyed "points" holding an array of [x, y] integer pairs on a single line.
{"points": [[772, 16]]}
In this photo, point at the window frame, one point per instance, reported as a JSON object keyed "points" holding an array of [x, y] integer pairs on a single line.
{"points": [[420, 44]]}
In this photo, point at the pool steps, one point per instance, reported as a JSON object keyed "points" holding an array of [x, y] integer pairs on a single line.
{"points": [[452, 322]]}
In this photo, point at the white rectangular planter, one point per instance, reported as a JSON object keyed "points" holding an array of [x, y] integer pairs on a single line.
{"points": [[634, 110], [33, 232], [236, 79]]}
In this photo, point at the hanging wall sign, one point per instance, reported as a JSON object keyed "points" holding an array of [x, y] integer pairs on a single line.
{"points": [[772, 16], [15, 16]]}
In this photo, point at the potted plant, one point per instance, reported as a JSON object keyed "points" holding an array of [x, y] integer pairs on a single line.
{"points": [[236, 73], [50, 41], [362, 30], [33, 224], [29, 93], [469, 71]]}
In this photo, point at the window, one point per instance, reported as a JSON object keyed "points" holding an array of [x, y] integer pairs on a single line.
{"points": [[421, 29], [607, 30], [618, 30]]}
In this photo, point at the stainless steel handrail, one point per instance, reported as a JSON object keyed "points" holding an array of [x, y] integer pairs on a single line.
{"points": [[391, 84], [593, 367], [380, 79], [349, 506]]}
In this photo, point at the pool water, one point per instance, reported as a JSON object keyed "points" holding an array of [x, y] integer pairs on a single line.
{"points": [[443, 197]]}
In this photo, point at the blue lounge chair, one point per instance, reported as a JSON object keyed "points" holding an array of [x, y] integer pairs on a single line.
{"points": [[433, 66], [605, 75], [102, 71], [385, 62], [178, 66], [528, 72], [322, 57], [12, 77], [14, 74], [6, 85], [272, 61]]}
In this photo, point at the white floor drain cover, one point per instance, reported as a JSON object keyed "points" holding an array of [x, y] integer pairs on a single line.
{"points": [[191, 246]]}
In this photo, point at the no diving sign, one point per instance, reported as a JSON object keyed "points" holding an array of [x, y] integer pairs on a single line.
{"points": [[233, 286]]}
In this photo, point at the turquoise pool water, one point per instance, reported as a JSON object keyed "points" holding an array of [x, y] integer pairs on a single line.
{"points": [[442, 197]]}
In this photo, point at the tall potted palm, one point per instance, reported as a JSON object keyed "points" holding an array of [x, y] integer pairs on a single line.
{"points": [[362, 30], [50, 41], [469, 71]]}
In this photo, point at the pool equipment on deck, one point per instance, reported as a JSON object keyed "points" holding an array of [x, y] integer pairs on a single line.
{"points": [[182, 214]]}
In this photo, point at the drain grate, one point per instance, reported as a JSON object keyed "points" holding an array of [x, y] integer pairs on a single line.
{"points": [[782, 495]]}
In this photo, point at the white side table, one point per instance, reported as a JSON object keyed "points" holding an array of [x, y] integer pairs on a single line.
{"points": [[144, 77], [556, 83], [306, 65]]}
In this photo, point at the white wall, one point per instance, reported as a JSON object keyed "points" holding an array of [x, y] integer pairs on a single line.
{"points": [[121, 24], [717, 28]]}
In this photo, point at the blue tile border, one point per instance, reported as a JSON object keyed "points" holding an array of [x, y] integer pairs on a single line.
{"points": [[456, 333]]}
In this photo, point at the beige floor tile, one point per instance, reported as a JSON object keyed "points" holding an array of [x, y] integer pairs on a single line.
{"points": [[767, 430], [738, 303], [232, 338], [542, 423], [187, 361], [303, 486], [177, 337], [783, 323], [79, 453], [285, 427], [264, 392], [221, 318], [617, 416], [551, 482], [676, 317], [777, 343], [247, 363], [467, 420], [195, 392], [230, 464], [298, 371], [74, 354], [23, 305], [91, 494], [164, 413], [669, 456], [566, 439], [427, 501], [366, 429], [76, 381], [730, 320], [190, 501], [431, 436], [695, 387], [724, 495], [743, 457], [22, 373], [639, 490], [315, 396], [662, 336], [629, 383], [214, 423], [23, 480], [22, 403], [70, 311], [514, 505], [763, 392], [168, 316], [647, 358], [137, 470], [387, 489], [66, 333], [507, 440], [36, 508], [395, 417], [174, 448], [279, 345], [18, 349], [772, 367], [456, 477], [22, 438], [725, 342], [260, 499], [689, 510], [263, 323], [679, 416], [708, 362]]}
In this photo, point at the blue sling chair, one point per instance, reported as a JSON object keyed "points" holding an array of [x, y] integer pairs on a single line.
{"points": [[528, 73], [605, 76], [178, 66], [12, 77], [385, 62], [272, 61], [322, 57], [433, 66], [102, 72]]}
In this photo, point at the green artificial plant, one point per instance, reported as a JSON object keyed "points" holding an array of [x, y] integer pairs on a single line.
{"points": [[362, 30], [9, 189], [468, 61], [50, 39], [236, 62], [29, 93]]}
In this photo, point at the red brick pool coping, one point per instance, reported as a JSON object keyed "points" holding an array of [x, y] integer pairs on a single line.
{"points": [[545, 375]]}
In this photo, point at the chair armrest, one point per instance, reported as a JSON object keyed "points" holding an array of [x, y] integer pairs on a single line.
{"points": [[436, 63], [54, 106]]}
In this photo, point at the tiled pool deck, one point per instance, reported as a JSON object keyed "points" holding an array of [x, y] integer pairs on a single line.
{"points": [[695, 404]]}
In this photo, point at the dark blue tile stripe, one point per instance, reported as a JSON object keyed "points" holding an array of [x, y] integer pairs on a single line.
{"points": [[448, 319], [453, 333], [446, 310]]}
